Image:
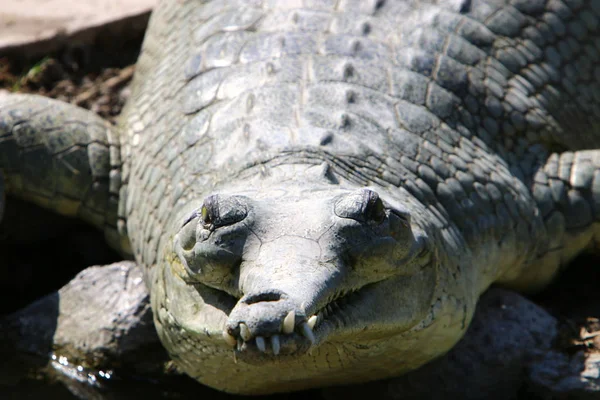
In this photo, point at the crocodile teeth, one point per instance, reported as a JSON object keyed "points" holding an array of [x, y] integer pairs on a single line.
{"points": [[231, 340], [288, 322], [245, 332], [275, 344], [307, 332], [260, 343], [312, 321]]}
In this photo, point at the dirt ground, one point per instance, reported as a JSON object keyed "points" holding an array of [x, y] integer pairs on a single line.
{"points": [[98, 79], [77, 76]]}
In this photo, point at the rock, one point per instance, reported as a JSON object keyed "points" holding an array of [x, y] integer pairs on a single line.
{"points": [[102, 318], [490, 362], [36, 27], [558, 375]]}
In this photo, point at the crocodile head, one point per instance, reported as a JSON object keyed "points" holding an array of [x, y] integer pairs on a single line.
{"points": [[267, 281]]}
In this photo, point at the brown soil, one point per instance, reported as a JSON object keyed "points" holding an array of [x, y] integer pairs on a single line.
{"points": [[104, 92], [95, 80]]}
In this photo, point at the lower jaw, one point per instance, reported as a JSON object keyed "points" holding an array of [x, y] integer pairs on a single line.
{"points": [[291, 346], [325, 365]]}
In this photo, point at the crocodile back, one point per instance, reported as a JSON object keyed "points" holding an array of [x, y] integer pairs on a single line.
{"points": [[458, 103]]}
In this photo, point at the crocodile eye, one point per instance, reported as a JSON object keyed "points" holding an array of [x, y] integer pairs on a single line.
{"points": [[374, 210], [362, 206], [206, 216], [220, 211]]}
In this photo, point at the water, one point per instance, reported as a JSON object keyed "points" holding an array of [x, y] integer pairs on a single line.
{"points": [[63, 380]]}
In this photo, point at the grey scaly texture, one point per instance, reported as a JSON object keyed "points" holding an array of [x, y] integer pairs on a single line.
{"points": [[319, 191]]}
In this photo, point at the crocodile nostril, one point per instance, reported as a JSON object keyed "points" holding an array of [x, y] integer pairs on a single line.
{"points": [[263, 297]]}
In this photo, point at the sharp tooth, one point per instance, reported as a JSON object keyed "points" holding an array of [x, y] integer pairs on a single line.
{"points": [[260, 343], [288, 322], [275, 344], [245, 332], [230, 339], [312, 321], [307, 332]]}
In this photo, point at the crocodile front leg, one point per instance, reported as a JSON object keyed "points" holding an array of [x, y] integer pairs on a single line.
{"points": [[567, 191], [63, 158]]}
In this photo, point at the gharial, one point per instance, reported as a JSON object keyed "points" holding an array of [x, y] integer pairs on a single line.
{"points": [[319, 191]]}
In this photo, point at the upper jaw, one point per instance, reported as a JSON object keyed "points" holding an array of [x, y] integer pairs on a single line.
{"points": [[273, 325], [268, 326]]}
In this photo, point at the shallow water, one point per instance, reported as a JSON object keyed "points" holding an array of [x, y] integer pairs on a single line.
{"points": [[177, 387], [63, 380]]}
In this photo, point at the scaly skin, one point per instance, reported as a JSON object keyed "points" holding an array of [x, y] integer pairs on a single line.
{"points": [[376, 165]]}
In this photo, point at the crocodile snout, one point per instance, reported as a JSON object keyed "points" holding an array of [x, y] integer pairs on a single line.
{"points": [[267, 324]]}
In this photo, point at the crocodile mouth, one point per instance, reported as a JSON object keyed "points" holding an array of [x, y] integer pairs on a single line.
{"points": [[297, 334]]}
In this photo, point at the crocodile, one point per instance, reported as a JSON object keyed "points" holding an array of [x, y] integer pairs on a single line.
{"points": [[320, 191]]}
